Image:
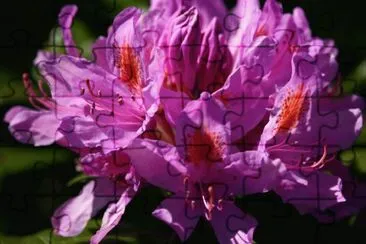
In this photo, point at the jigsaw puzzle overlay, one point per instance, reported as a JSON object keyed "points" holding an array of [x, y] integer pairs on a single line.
{"points": [[187, 121]]}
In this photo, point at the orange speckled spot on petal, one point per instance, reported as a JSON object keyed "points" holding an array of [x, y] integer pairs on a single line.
{"points": [[130, 68], [204, 146], [292, 108]]}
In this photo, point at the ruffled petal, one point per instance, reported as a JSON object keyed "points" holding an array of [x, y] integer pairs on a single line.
{"points": [[253, 172], [167, 6], [36, 127], [209, 10], [320, 192], [181, 43], [270, 18], [353, 190], [240, 25], [158, 163], [99, 52], [214, 62], [245, 94], [71, 217], [302, 24], [178, 215]]}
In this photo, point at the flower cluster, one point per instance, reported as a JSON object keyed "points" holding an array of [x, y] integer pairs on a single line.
{"points": [[205, 103]]}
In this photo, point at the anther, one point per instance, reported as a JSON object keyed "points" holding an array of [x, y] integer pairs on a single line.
{"points": [[120, 100], [220, 204], [193, 204], [88, 85]]}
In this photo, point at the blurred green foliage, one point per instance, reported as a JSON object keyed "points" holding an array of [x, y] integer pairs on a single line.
{"points": [[34, 181]]}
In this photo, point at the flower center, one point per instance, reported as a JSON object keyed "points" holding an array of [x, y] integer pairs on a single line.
{"points": [[292, 108]]}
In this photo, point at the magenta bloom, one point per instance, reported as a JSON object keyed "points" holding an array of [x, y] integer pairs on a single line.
{"points": [[95, 108], [203, 171], [205, 103]]}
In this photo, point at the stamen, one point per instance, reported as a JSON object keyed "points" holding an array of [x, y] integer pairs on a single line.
{"points": [[32, 96], [209, 205], [220, 206], [186, 189], [40, 86], [321, 161], [92, 108], [120, 100], [316, 165], [281, 148], [193, 204], [88, 85]]}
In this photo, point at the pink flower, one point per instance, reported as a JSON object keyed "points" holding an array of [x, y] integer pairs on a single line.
{"points": [[203, 102], [95, 108]]}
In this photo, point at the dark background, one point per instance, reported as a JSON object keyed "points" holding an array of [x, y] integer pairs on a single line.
{"points": [[34, 181]]}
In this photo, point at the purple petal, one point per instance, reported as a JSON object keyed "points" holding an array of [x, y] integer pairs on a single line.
{"points": [[208, 116], [67, 76], [302, 24], [253, 172], [158, 163], [168, 6], [214, 60], [99, 52], [270, 18], [245, 96], [240, 24], [173, 103], [178, 215], [125, 36], [181, 45], [321, 191], [353, 190], [209, 10], [97, 163], [71, 217], [36, 127], [113, 215], [65, 19]]}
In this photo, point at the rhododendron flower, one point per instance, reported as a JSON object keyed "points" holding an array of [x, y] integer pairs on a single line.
{"points": [[203, 102], [95, 108], [296, 135], [204, 171]]}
